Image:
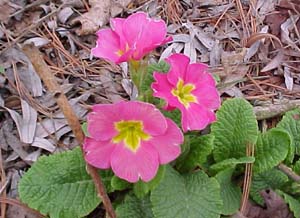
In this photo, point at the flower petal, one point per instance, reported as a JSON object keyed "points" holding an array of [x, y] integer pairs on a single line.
{"points": [[98, 153], [207, 96], [108, 45], [196, 117], [131, 166], [168, 145], [162, 88], [197, 72], [151, 36], [178, 66], [133, 27], [117, 25], [101, 121], [153, 120]]}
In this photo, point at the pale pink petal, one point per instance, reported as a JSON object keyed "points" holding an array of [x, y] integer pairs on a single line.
{"points": [[207, 96], [151, 37], [178, 66], [162, 88], [168, 145], [153, 120], [133, 27], [117, 24], [98, 153], [196, 117], [197, 72], [101, 121], [108, 45], [143, 164]]}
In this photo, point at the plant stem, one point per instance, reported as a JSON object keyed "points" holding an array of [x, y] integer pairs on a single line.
{"points": [[289, 172], [48, 78]]}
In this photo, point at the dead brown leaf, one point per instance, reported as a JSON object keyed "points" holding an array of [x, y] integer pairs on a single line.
{"points": [[275, 62], [99, 14], [96, 17], [5, 10], [26, 123]]}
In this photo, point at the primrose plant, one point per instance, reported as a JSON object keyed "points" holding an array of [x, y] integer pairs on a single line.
{"points": [[143, 157]]}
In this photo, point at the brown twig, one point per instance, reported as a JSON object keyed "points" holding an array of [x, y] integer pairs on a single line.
{"points": [[28, 29], [33, 4], [273, 110], [19, 204], [247, 179], [48, 78], [3, 185], [289, 172]]}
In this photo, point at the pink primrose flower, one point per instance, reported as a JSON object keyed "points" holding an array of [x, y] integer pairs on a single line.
{"points": [[191, 89], [132, 138], [131, 38]]}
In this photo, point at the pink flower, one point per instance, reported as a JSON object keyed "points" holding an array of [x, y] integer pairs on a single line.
{"points": [[189, 88], [132, 138], [131, 38]]}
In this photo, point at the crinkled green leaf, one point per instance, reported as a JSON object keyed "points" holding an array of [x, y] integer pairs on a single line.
{"points": [[185, 149], [291, 123], [174, 115], [2, 69], [293, 203], [133, 207], [162, 67], [230, 192], [271, 149], [270, 179], [236, 127], [84, 129], [296, 167], [192, 195], [200, 148], [231, 163], [141, 189], [59, 186], [119, 184]]}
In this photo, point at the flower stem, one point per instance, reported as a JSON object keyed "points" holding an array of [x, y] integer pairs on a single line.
{"points": [[48, 78], [138, 72]]}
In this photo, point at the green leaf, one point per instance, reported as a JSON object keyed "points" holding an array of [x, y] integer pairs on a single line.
{"points": [[84, 129], [119, 184], [296, 167], [271, 149], [59, 186], [231, 163], [141, 189], [291, 123], [2, 69], [185, 149], [230, 193], [134, 207], [293, 203], [174, 115], [145, 88], [236, 127], [190, 196], [162, 67], [270, 179], [200, 148], [216, 78]]}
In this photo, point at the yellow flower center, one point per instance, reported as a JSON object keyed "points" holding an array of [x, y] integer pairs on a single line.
{"points": [[131, 133], [183, 93], [121, 52]]}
